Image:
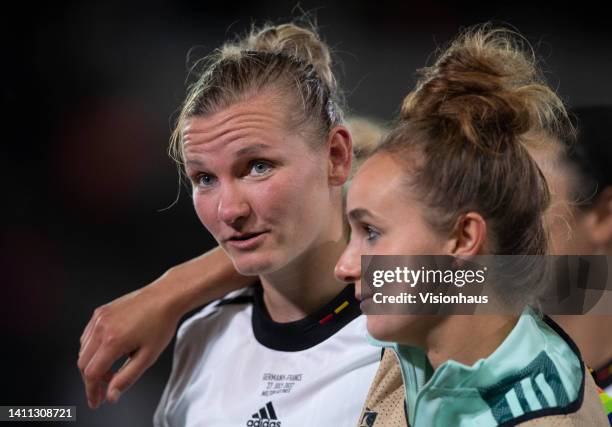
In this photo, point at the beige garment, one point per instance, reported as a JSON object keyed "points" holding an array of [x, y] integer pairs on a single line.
{"points": [[590, 414], [385, 402]]}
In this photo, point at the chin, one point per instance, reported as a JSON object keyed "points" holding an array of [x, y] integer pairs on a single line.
{"points": [[379, 328], [253, 264], [393, 328]]}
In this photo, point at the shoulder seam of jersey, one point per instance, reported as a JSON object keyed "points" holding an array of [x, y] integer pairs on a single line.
{"points": [[570, 408]]}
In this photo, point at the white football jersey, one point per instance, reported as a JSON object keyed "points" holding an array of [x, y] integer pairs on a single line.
{"points": [[234, 366]]}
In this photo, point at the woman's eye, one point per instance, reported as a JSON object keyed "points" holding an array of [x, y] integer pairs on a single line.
{"points": [[205, 180], [259, 168], [372, 234]]}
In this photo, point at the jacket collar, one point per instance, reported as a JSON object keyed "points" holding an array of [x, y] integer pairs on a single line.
{"points": [[533, 369]]}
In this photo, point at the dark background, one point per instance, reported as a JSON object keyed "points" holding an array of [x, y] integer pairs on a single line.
{"points": [[88, 93]]}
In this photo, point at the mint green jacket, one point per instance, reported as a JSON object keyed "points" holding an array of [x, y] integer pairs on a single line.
{"points": [[534, 374]]}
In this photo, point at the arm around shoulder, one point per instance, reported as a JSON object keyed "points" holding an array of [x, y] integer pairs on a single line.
{"points": [[141, 323]]}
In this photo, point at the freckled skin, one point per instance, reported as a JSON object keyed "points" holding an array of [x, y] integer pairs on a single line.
{"points": [[290, 201]]}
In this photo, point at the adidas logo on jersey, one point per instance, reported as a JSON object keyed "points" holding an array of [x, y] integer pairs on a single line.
{"points": [[266, 417]]}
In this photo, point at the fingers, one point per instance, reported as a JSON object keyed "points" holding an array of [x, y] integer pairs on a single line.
{"points": [[98, 368], [98, 353], [88, 350], [92, 391], [115, 330], [95, 391], [89, 328], [129, 373]]}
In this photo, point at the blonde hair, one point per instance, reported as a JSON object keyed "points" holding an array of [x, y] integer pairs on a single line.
{"points": [[464, 130], [288, 58], [367, 134]]}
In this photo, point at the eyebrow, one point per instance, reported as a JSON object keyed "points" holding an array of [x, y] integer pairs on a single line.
{"points": [[194, 163], [245, 151], [359, 213], [252, 149]]}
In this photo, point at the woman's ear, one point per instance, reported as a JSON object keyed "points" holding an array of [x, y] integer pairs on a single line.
{"points": [[469, 236], [340, 154], [598, 221]]}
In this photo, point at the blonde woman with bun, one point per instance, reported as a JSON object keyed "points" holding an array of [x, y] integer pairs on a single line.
{"points": [[455, 177], [261, 139], [142, 323]]}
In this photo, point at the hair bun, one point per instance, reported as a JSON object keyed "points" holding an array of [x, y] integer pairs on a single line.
{"points": [[291, 40], [486, 88]]}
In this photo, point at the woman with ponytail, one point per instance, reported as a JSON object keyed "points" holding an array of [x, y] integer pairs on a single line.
{"points": [[454, 177], [261, 139], [275, 204]]}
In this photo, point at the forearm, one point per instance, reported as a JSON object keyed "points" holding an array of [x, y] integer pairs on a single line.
{"points": [[200, 281]]}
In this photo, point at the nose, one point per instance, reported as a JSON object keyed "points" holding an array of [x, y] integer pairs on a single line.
{"points": [[348, 267], [233, 207]]}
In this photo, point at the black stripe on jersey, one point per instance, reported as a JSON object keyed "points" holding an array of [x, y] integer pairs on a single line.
{"points": [[307, 332], [243, 298], [240, 299]]}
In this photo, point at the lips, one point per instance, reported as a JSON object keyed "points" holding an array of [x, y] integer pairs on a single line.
{"points": [[246, 240], [367, 306], [243, 236], [362, 291]]}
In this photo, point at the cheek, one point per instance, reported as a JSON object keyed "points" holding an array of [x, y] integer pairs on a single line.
{"points": [[205, 210], [417, 239], [286, 198], [271, 200]]}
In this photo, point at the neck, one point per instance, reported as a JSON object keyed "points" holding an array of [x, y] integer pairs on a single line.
{"points": [[592, 335], [466, 339], [307, 283]]}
